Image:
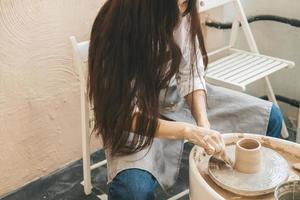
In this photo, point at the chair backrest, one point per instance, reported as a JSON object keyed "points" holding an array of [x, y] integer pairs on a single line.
{"points": [[80, 59], [240, 18], [205, 5]]}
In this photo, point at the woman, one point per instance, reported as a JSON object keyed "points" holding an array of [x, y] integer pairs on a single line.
{"points": [[146, 83]]}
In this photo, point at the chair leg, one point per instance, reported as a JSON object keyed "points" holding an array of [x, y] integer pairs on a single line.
{"points": [[86, 146], [298, 128], [85, 130], [285, 132], [271, 96], [179, 195], [86, 163]]}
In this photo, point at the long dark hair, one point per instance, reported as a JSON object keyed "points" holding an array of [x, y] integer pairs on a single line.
{"points": [[132, 56]]}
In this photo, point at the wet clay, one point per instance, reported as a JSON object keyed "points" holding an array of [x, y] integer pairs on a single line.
{"points": [[248, 156], [293, 175], [272, 172]]}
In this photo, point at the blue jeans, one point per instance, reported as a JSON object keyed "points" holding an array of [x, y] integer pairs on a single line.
{"points": [[137, 184], [132, 184], [275, 123]]}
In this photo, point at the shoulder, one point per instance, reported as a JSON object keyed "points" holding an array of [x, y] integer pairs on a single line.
{"points": [[182, 30], [182, 34]]}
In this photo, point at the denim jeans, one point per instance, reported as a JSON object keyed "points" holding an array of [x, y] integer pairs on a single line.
{"points": [[132, 184], [137, 184], [275, 123]]}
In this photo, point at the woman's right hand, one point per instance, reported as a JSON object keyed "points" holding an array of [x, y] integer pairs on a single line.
{"points": [[210, 140]]}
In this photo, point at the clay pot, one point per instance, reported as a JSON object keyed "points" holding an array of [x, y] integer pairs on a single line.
{"points": [[247, 155]]}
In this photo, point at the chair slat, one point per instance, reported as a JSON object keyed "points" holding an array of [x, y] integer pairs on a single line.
{"points": [[258, 63], [238, 67], [242, 68], [222, 65], [251, 79], [211, 65], [226, 84], [255, 71]]}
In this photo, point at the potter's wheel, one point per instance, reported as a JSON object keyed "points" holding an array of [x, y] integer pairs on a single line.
{"points": [[274, 170]]}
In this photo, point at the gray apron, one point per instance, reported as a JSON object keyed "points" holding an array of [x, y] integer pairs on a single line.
{"points": [[228, 111]]}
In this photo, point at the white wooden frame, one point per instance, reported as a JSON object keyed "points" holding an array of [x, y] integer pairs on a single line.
{"points": [[240, 17], [80, 58]]}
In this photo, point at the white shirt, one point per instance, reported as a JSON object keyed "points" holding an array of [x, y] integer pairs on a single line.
{"points": [[185, 82]]}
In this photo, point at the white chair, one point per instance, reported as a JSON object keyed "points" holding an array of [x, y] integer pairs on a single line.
{"points": [[240, 68], [80, 58]]}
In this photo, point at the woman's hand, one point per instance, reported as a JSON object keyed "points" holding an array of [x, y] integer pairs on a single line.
{"points": [[208, 139]]}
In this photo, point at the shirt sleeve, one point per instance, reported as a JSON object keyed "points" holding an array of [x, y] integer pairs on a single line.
{"points": [[190, 76]]}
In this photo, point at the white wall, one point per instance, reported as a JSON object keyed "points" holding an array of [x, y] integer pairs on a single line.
{"points": [[39, 88]]}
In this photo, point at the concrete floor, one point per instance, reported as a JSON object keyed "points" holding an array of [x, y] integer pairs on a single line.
{"points": [[64, 184]]}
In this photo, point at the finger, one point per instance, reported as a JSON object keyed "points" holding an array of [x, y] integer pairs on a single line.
{"points": [[211, 142], [200, 142], [223, 143], [212, 146], [209, 149], [218, 139]]}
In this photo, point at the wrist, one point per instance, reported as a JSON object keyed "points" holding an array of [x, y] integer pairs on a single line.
{"points": [[188, 131], [192, 133], [203, 123]]}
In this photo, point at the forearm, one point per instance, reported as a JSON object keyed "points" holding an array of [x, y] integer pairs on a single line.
{"points": [[197, 102], [174, 130], [209, 139], [169, 129]]}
